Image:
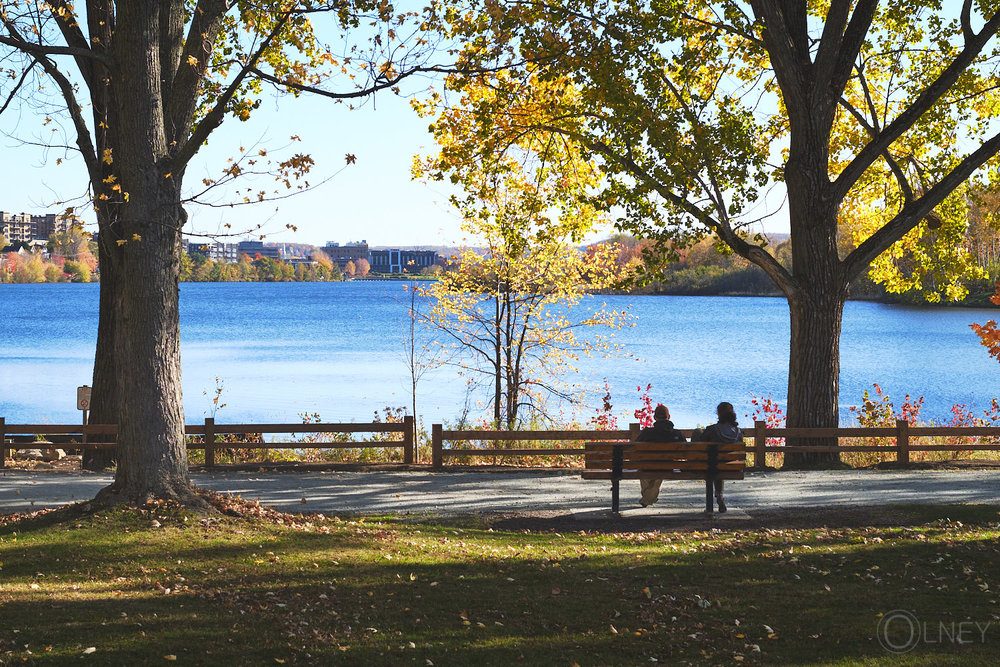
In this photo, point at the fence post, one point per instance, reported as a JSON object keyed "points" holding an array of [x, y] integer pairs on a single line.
{"points": [[3, 450], [409, 438], [633, 431], [437, 456], [209, 441], [902, 441], [759, 441]]}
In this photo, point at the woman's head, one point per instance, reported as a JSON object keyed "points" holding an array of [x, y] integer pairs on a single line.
{"points": [[726, 413]]}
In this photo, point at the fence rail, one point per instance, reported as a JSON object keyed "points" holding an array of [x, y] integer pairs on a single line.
{"points": [[14, 436]]}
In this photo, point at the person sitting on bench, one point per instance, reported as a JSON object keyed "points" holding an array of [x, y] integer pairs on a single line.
{"points": [[662, 430], [726, 430]]}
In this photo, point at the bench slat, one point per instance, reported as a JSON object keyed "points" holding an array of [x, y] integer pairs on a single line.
{"points": [[635, 474]]}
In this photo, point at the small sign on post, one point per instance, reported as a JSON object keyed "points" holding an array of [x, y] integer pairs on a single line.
{"points": [[83, 398]]}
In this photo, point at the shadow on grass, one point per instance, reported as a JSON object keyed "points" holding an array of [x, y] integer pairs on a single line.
{"points": [[223, 590]]}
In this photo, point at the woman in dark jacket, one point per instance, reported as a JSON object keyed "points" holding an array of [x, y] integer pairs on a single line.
{"points": [[726, 430]]}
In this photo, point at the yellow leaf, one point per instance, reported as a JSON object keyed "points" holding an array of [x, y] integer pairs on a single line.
{"points": [[107, 156]]}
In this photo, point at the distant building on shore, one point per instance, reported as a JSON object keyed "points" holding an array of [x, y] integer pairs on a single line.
{"points": [[253, 248], [395, 260], [25, 228], [349, 252], [227, 253]]}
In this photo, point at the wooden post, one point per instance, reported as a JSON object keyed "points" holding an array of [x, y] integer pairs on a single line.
{"points": [[633, 431], [409, 438], [711, 472], [209, 441], [759, 442], [902, 441], [437, 456], [4, 452], [617, 464]]}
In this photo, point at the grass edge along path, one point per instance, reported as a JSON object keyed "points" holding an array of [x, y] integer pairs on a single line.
{"points": [[253, 586]]}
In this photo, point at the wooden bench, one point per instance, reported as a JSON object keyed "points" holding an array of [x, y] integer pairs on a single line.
{"points": [[706, 461]]}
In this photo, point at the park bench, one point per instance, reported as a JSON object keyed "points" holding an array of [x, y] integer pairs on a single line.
{"points": [[706, 461]]}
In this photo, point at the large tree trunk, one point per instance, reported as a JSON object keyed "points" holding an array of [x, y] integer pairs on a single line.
{"points": [[814, 372], [816, 296], [152, 456]]}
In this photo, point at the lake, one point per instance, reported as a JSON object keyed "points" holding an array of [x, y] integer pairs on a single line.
{"points": [[337, 349]]}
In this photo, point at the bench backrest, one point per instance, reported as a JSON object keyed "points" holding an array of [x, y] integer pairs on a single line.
{"points": [[666, 460]]}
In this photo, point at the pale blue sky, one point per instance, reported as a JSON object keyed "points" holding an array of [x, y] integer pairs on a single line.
{"points": [[373, 199]]}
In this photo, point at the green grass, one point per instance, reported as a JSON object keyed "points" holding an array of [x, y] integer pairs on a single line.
{"points": [[152, 585]]}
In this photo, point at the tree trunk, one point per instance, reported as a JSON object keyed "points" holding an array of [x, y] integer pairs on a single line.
{"points": [[152, 456], [816, 295], [814, 372], [815, 301]]}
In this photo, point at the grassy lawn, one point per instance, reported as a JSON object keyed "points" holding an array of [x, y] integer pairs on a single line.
{"points": [[131, 587]]}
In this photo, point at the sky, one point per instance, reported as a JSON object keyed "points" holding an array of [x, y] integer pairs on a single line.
{"points": [[373, 199]]}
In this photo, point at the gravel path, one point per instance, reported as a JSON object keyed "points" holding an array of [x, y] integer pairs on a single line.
{"points": [[472, 492]]}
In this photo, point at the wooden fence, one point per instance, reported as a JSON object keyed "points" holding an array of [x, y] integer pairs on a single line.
{"points": [[903, 436], [757, 438], [210, 432], [902, 433]]}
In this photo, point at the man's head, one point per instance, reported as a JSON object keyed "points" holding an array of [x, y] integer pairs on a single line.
{"points": [[661, 413]]}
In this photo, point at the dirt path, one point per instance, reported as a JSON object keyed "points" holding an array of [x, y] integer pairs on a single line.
{"points": [[532, 494]]}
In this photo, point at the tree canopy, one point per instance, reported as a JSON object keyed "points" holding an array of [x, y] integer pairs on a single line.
{"points": [[867, 116]]}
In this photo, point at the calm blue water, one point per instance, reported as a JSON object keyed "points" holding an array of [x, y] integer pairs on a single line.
{"points": [[337, 349]]}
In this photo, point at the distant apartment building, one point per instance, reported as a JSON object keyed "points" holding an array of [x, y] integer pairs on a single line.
{"points": [[16, 227], [25, 228], [51, 223], [349, 252], [227, 253], [398, 261]]}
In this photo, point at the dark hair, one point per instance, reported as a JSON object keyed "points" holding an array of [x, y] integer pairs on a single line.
{"points": [[726, 413], [660, 413]]}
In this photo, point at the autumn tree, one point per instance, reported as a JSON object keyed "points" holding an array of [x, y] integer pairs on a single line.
{"points": [[694, 109], [509, 312], [362, 267], [142, 85]]}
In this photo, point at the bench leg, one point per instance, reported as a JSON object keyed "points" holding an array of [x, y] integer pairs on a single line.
{"points": [[709, 493], [614, 496]]}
